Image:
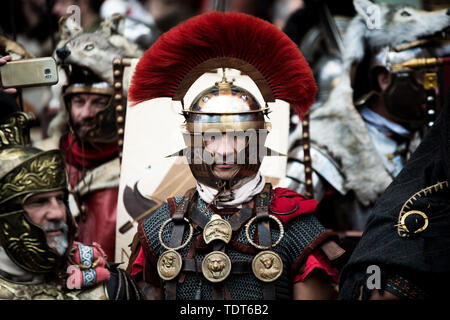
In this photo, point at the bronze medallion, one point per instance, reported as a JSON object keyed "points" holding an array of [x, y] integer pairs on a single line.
{"points": [[169, 264], [267, 266], [216, 266], [217, 229]]}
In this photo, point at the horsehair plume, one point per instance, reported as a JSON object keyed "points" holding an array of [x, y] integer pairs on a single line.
{"points": [[215, 35]]}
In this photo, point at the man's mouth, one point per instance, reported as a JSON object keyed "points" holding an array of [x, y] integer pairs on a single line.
{"points": [[54, 232], [224, 166], [87, 126]]}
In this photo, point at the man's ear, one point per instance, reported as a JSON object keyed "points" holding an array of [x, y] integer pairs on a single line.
{"points": [[383, 79]]}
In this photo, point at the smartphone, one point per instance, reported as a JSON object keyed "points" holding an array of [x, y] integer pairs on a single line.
{"points": [[29, 73]]}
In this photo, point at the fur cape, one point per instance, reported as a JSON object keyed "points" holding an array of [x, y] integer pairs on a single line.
{"points": [[350, 144]]}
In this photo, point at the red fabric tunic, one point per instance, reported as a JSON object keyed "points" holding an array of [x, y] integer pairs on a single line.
{"points": [[284, 200], [100, 205]]}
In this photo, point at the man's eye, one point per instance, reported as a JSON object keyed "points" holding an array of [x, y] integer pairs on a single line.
{"points": [[100, 103], [36, 203]]}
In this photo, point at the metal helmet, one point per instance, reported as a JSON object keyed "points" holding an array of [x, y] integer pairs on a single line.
{"points": [[82, 81], [24, 172], [219, 40], [231, 111], [406, 96]]}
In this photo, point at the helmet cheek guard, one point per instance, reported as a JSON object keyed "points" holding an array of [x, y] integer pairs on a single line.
{"points": [[404, 99]]}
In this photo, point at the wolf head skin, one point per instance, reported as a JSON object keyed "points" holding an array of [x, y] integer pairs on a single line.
{"points": [[95, 50], [379, 25]]}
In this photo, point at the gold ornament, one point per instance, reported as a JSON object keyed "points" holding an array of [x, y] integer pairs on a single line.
{"points": [[249, 239], [267, 266], [169, 265], [216, 266], [170, 262], [217, 229]]}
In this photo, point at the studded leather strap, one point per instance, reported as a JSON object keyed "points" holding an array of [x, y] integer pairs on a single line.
{"points": [[177, 235], [262, 203]]}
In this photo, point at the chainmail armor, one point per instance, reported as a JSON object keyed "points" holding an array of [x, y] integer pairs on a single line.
{"points": [[297, 236]]}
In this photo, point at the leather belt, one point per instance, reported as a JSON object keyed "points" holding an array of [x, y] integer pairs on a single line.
{"points": [[177, 237]]}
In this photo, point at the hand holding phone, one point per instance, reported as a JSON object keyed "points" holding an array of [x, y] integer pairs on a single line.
{"points": [[28, 73], [4, 60]]}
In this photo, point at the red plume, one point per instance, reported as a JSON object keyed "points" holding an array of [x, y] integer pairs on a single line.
{"points": [[163, 67]]}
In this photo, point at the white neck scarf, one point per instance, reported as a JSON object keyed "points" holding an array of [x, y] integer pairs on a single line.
{"points": [[242, 194]]}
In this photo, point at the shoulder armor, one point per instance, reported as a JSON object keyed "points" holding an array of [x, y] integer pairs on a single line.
{"points": [[286, 205], [323, 166]]}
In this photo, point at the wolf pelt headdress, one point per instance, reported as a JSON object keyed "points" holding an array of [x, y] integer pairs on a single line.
{"points": [[375, 26], [93, 50]]}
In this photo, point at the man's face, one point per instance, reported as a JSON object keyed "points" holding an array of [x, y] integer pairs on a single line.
{"points": [[48, 210], [83, 108], [225, 149]]}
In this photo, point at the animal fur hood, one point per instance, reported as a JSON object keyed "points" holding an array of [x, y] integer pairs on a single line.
{"points": [[379, 25], [350, 144]]}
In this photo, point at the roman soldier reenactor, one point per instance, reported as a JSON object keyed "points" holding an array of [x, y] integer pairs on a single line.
{"points": [[233, 236]]}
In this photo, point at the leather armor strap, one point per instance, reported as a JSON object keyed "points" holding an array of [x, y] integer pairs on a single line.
{"points": [[237, 220], [219, 289], [238, 267], [177, 235], [262, 203]]}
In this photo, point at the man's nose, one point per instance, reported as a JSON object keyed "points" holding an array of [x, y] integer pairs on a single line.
{"points": [[224, 146], [87, 111], [56, 210]]}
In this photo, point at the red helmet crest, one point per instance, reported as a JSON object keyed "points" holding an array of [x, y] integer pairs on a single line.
{"points": [[224, 40]]}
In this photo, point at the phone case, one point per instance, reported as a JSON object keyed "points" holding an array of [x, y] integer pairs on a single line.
{"points": [[29, 73]]}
